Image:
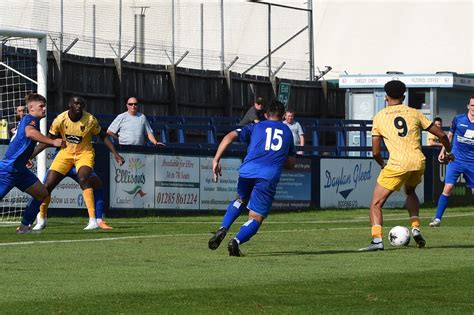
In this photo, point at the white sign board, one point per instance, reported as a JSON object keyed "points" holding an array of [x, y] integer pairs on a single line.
{"points": [[378, 81], [132, 184], [68, 193], [349, 183], [216, 196], [176, 182]]}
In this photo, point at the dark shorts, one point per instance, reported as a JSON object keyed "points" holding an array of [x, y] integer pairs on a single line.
{"points": [[21, 179], [259, 192]]}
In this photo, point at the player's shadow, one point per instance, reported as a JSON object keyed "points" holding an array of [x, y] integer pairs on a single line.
{"points": [[450, 246], [351, 251], [304, 253]]}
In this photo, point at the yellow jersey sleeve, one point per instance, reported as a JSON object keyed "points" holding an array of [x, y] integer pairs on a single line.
{"points": [[56, 126], [95, 126], [375, 127], [424, 121]]}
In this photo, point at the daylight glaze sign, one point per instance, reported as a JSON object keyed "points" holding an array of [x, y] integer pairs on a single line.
{"points": [[132, 184], [349, 183]]}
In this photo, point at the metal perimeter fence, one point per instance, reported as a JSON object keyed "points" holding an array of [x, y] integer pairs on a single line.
{"points": [[258, 38]]}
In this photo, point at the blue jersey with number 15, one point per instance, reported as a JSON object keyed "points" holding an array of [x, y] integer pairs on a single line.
{"points": [[270, 143]]}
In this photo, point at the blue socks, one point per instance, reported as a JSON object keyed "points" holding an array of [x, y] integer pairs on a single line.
{"points": [[248, 230], [31, 210], [442, 204], [233, 211], [99, 203]]}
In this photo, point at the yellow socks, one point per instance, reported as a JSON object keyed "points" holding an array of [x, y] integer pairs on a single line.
{"points": [[89, 200], [377, 231], [44, 207], [415, 222]]}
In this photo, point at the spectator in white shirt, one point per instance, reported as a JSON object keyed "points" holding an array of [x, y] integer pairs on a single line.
{"points": [[296, 129], [130, 127]]}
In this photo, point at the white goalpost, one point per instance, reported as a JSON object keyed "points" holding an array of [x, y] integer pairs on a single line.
{"points": [[23, 70]]}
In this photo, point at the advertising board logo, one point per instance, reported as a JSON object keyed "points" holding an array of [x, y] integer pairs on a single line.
{"points": [[137, 190], [346, 180], [80, 200], [133, 175]]}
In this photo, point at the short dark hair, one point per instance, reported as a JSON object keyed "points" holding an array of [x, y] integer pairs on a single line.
{"points": [[75, 99], [470, 98], [395, 89], [34, 97], [438, 119], [276, 108], [259, 101]]}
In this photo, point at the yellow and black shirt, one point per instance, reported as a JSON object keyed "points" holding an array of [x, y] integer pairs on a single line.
{"points": [[400, 127]]}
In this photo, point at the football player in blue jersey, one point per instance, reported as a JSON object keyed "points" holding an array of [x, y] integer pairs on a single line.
{"points": [[13, 170], [270, 148], [461, 135]]}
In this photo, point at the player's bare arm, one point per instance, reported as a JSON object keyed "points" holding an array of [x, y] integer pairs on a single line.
{"points": [[42, 145], [35, 135], [226, 141], [445, 141], [112, 134], [442, 154], [103, 136], [377, 150]]}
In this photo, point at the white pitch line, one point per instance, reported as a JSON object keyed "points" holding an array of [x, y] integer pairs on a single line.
{"points": [[392, 218], [207, 234], [106, 239], [366, 219]]}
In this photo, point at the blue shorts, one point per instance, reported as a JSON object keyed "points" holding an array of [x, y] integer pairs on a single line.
{"points": [[21, 179], [455, 169], [259, 192]]}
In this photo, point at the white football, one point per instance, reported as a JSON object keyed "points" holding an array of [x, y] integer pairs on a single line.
{"points": [[399, 236]]}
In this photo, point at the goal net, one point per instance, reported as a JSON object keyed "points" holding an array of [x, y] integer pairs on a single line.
{"points": [[23, 70]]}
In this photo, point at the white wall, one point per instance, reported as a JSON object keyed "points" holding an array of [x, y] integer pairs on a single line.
{"points": [[409, 36]]}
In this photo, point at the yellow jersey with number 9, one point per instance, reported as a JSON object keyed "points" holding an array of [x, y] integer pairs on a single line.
{"points": [[400, 127], [78, 135]]}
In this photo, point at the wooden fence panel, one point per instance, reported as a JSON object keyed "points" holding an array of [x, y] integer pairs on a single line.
{"points": [[106, 84]]}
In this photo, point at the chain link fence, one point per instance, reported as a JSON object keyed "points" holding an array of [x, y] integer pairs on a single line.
{"points": [[173, 29]]}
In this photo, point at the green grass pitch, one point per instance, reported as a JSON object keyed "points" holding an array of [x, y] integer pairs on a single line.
{"points": [[304, 262]]}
